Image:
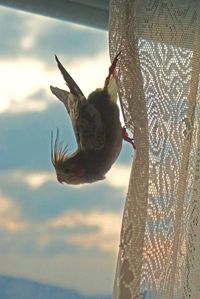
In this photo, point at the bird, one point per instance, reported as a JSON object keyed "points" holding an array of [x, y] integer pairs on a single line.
{"points": [[97, 129]]}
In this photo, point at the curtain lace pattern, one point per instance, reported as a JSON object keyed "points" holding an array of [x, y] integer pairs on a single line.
{"points": [[158, 80]]}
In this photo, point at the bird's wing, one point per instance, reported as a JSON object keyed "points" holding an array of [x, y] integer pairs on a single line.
{"points": [[73, 87], [89, 125], [61, 94], [71, 104], [86, 120]]}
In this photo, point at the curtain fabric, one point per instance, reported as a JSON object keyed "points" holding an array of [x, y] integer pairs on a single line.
{"points": [[158, 81]]}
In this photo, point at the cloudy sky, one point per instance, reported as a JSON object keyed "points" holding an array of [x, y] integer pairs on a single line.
{"points": [[52, 233]]}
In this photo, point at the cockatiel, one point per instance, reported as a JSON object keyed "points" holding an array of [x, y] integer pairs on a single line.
{"points": [[97, 129]]}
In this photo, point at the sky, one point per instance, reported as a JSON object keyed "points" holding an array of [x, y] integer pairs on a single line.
{"points": [[59, 234]]}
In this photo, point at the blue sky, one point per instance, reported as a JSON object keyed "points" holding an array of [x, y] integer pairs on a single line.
{"points": [[53, 233]]}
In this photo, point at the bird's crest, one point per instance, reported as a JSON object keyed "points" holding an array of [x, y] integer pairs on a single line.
{"points": [[58, 151]]}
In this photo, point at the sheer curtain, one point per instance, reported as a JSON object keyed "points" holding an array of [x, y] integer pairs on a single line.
{"points": [[158, 80]]}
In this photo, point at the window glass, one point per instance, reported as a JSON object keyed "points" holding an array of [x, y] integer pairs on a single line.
{"points": [[56, 235]]}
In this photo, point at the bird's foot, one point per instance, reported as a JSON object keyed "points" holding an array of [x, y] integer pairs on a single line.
{"points": [[127, 138], [113, 66], [112, 69]]}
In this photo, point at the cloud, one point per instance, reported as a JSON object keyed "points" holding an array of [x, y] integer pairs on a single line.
{"points": [[20, 79], [10, 218], [107, 224], [41, 37], [45, 198], [33, 179], [64, 38], [27, 63], [24, 77], [97, 240], [25, 137], [118, 176], [42, 200], [15, 27]]}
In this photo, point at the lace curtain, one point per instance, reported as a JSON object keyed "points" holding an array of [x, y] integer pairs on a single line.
{"points": [[158, 79]]}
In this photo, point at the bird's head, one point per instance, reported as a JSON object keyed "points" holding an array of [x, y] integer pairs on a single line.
{"points": [[68, 167]]}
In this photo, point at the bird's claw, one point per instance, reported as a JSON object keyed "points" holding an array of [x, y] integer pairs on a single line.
{"points": [[111, 70], [127, 138], [113, 66]]}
